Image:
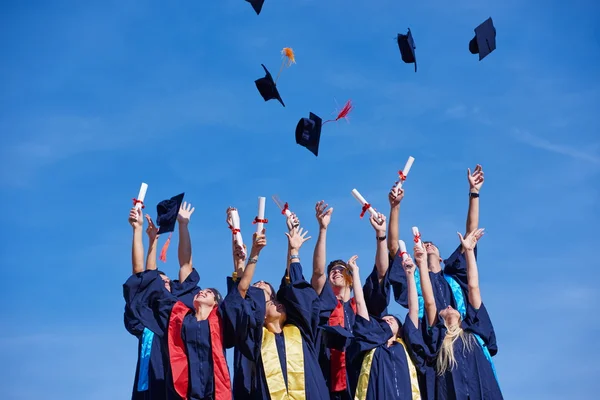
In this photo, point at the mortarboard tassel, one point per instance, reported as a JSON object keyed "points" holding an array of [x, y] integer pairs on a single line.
{"points": [[288, 57], [343, 113], [163, 251]]}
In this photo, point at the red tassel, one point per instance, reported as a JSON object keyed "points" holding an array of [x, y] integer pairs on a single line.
{"points": [[163, 251], [343, 113]]}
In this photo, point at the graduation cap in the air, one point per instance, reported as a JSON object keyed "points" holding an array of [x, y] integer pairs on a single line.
{"points": [[336, 337], [257, 5], [308, 130], [166, 218], [267, 88], [484, 41], [406, 43]]}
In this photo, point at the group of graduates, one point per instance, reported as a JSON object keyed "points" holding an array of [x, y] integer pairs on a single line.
{"points": [[328, 337]]}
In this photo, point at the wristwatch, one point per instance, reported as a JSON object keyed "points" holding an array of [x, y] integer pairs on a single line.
{"points": [[381, 238], [473, 195]]}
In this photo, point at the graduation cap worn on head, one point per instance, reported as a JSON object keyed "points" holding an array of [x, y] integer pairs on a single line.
{"points": [[267, 88], [166, 218], [257, 5], [406, 43], [308, 133], [484, 41]]}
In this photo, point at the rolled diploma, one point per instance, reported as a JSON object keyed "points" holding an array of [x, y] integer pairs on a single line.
{"points": [[362, 202], [288, 212], [142, 195], [235, 220], [261, 214], [415, 233], [405, 171], [402, 249]]}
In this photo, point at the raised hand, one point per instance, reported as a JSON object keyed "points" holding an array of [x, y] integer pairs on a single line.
{"points": [[475, 179], [408, 265], [469, 242], [239, 253], [292, 221], [323, 214], [395, 196], [151, 230], [420, 255], [352, 265], [185, 212], [378, 223], [259, 241], [136, 218], [297, 237]]}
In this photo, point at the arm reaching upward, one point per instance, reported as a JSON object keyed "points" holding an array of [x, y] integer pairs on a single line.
{"points": [[382, 259], [475, 182], [468, 244], [359, 296], [152, 232], [136, 220], [259, 241], [426, 288], [184, 250], [413, 297], [395, 197], [320, 254]]}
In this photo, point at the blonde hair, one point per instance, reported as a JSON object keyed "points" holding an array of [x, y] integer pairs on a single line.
{"points": [[446, 361]]}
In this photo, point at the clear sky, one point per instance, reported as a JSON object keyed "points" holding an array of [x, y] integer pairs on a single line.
{"points": [[98, 96]]}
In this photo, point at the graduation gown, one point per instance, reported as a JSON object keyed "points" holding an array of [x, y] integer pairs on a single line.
{"points": [[332, 344], [303, 309], [391, 374], [473, 378], [192, 349]]}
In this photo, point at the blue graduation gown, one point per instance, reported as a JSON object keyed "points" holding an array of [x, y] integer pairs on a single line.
{"points": [[473, 377], [152, 374], [377, 298], [303, 308], [390, 374], [198, 349], [186, 290]]}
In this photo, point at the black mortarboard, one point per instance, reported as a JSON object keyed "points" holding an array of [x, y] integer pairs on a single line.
{"points": [[406, 43], [257, 5], [308, 133], [167, 211], [267, 88], [336, 337], [484, 41]]}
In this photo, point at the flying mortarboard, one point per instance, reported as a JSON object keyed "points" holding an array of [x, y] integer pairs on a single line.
{"points": [[484, 41], [308, 130], [257, 5], [267, 86], [406, 43], [166, 218]]}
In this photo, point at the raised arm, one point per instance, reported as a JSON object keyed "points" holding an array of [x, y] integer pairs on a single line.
{"points": [[382, 259], [359, 297], [152, 232], [259, 241], [320, 254], [426, 288], [136, 220], [475, 182], [184, 251], [395, 197], [413, 297], [239, 253], [468, 244]]}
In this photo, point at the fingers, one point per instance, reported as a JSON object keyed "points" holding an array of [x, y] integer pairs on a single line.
{"points": [[468, 172], [460, 236]]}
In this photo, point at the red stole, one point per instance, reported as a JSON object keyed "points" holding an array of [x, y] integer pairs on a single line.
{"points": [[178, 357], [338, 358]]}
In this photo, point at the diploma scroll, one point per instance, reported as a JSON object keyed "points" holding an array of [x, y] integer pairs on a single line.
{"points": [[365, 205], [403, 254], [235, 229], [282, 206], [260, 217], [404, 172], [417, 238]]}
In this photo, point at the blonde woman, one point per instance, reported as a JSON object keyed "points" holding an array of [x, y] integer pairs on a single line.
{"points": [[462, 346]]}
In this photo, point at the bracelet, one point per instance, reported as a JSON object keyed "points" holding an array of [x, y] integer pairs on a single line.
{"points": [[473, 195], [381, 238], [294, 257], [253, 260]]}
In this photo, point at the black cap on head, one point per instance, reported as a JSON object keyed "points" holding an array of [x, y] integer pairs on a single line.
{"points": [[167, 211], [308, 133], [336, 263], [217, 294], [267, 88], [484, 41], [257, 5], [407, 47]]}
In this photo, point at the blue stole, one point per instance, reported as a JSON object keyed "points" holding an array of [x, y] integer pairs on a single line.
{"points": [[145, 351], [462, 309]]}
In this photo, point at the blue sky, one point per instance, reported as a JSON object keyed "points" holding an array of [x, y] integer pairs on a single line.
{"points": [[99, 96]]}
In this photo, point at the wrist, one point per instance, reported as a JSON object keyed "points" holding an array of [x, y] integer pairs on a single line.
{"points": [[474, 190], [294, 258], [322, 228], [294, 251]]}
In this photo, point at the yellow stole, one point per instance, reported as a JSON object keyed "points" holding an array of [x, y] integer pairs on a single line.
{"points": [[294, 363], [365, 374]]}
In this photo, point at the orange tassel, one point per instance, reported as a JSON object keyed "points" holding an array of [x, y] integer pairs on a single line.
{"points": [[163, 251], [343, 113]]}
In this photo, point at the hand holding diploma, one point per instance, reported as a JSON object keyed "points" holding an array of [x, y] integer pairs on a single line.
{"points": [[260, 217], [403, 174], [365, 205], [138, 203], [417, 237]]}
